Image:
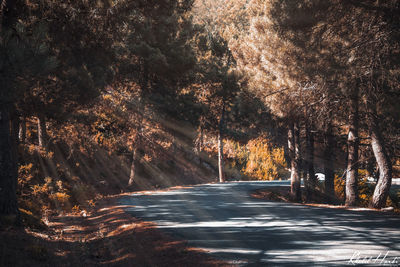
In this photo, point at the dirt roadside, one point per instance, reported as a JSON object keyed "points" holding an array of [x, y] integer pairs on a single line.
{"points": [[107, 236], [282, 194]]}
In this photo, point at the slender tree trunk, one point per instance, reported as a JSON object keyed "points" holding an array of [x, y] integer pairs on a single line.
{"points": [[144, 80], [42, 131], [382, 158], [310, 173], [297, 157], [352, 153], [221, 147], [328, 161], [137, 142], [221, 158], [15, 123], [294, 152], [132, 174], [200, 143], [22, 131], [8, 167]]}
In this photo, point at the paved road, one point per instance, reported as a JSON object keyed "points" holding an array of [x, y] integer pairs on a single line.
{"points": [[224, 220]]}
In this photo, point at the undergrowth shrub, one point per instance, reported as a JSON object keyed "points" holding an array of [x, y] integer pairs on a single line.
{"points": [[365, 190], [339, 184], [83, 194], [52, 194], [258, 159]]}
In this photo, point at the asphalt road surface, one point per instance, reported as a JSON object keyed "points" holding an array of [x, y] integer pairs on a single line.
{"points": [[225, 221]]}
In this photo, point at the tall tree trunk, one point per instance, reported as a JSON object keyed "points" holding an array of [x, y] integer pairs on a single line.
{"points": [[382, 158], [15, 122], [8, 161], [144, 81], [221, 147], [42, 131], [137, 142], [328, 161], [294, 152], [200, 142], [297, 157], [310, 172], [22, 131], [132, 174], [352, 152], [8, 166]]}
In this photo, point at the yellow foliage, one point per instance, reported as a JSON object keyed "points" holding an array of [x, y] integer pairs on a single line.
{"points": [[60, 198], [53, 191], [25, 174], [26, 211], [339, 186], [91, 203], [259, 159], [264, 160], [365, 189], [107, 97], [76, 209], [39, 189]]}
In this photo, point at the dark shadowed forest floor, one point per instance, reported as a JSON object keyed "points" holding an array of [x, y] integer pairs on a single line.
{"points": [[107, 236]]}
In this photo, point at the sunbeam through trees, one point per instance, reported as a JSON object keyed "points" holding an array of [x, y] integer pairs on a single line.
{"points": [[103, 99]]}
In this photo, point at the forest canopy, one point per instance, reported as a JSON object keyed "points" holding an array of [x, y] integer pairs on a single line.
{"points": [[109, 96]]}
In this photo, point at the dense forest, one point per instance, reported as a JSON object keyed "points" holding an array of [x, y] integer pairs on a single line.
{"points": [[110, 96]]}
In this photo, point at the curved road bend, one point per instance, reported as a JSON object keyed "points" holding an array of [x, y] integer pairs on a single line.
{"points": [[225, 221]]}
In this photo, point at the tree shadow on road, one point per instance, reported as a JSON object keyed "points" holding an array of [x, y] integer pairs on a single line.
{"points": [[225, 221]]}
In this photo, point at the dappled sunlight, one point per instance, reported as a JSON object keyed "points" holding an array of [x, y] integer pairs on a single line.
{"points": [[224, 220], [107, 236], [105, 106]]}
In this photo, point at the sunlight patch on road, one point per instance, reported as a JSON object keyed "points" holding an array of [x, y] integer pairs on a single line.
{"points": [[229, 224], [233, 250]]}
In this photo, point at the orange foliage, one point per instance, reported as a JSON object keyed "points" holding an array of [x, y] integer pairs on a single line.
{"points": [[258, 159]]}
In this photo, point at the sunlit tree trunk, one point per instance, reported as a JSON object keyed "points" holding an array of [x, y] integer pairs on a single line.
{"points": [[294, 152], [22, 131], [297, 157], [42, 131], [352, 152], [328, 160], [135, 147], [200, 143], [382, 158], [221, 147], [132, 174], [8, 165]]}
